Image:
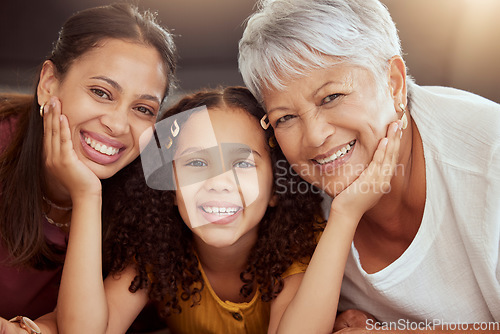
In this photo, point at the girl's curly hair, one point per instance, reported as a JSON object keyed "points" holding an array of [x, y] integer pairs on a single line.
{"points": [[150, 234]]}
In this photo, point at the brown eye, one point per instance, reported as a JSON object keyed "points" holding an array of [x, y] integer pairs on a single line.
{"points": [[284, 119], [100, 93], [329, 98], [145, 110]]}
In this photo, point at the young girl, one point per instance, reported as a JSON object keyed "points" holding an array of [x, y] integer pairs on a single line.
{"points": [[224, 252], [108, 74]]}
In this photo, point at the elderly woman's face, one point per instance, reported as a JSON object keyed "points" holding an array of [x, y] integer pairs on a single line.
{"points": [[329, 123]]}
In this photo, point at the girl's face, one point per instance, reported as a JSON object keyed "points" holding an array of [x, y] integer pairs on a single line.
{"points": [[224, 176], [110, 95]]}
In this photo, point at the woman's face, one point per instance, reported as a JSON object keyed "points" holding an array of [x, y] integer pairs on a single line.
{"points": [[223, 174], [110, 96], [329, 123]]}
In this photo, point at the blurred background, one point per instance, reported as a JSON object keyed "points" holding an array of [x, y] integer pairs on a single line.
{"points": [[446, 42]]}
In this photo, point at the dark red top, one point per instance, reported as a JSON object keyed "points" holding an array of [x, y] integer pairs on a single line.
{"points": [[26, 291]]}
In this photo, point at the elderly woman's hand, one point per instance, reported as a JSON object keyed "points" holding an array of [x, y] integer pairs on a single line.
{"points": [[375, 180], [352, 319]]}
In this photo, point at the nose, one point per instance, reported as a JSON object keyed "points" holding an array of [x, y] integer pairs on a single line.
{"points": [[116, 121], [315, 129], [224, 182]]}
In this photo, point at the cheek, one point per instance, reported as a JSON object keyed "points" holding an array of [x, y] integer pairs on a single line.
{"points": [[142, 131], [289, 144], [249, 185], [181, 206]]}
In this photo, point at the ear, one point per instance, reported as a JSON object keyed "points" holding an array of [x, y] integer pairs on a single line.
{"points": [[274, 200], [48, 84], [397, 80]]}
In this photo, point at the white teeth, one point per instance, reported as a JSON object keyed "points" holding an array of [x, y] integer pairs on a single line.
{"points": [[221, 211], [99, 147], [340, 153]]}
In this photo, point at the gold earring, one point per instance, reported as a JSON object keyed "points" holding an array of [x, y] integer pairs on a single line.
{"points": [[174, 129], [263, 123], [42, 108], [404, 118], [170, 142], [272, 142]]}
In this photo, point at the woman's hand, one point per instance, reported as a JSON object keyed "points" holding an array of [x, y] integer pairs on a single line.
{"points": [[60, 158], [352, 318], [311, 305], [375, 180], [7, 327]]}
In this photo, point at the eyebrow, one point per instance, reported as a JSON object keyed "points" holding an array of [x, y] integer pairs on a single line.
{"points": [[113, 83], [326, 84], [245, 150], [195, 149], [314, 94], [191, 149], [119, 88]]}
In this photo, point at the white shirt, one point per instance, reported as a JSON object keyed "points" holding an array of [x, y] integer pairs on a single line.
{"points": [[450, 272]]}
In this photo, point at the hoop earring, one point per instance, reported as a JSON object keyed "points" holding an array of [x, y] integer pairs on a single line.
{"points": [[272, 142], [404, 118], [42, 107], [174, 129], [263, 123], [169, 144]]}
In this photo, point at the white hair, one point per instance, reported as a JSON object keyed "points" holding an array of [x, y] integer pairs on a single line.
{"points": [[285, 39]]}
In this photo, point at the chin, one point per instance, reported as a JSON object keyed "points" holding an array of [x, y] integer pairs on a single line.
{"points": [[104, 172], [334, 186], [219, 243]]}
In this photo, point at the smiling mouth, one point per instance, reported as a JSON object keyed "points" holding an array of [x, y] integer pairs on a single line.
{"points": [[340, 153], [100, 147], [220, 210]]}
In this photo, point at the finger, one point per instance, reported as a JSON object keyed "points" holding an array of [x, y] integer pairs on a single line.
{"points": [[380, 153], [392, 150], [388, 164], [47, 131], [396, 145], [56, 128], [381, 168], [65, 134]]}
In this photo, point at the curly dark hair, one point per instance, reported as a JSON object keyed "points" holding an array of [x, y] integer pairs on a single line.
{"points": [[149, 233]]}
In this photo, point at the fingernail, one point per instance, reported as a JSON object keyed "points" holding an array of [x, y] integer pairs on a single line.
{"points": [[384, 142], [400, 124], [395, 127]]}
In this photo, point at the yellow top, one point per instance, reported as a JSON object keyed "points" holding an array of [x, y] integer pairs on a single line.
{"points": [[214, 316]]}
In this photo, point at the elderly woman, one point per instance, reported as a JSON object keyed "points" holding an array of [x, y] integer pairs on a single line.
{"points": [[331, 77]]}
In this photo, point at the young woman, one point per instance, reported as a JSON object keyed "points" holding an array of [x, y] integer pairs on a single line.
{"points": [[223, 253], [107, 76]]}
